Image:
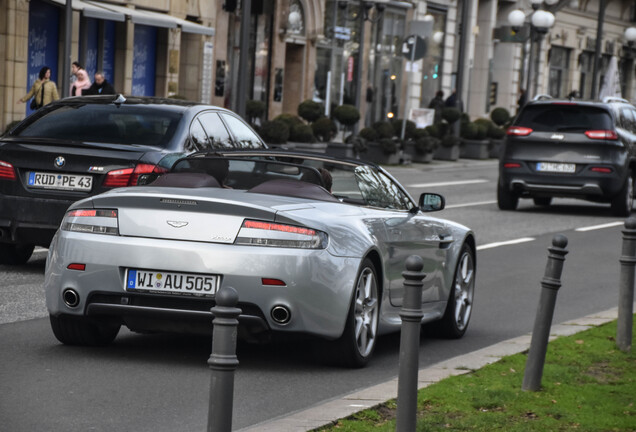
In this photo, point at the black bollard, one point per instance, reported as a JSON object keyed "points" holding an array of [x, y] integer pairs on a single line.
{"points": [[626, 288], [223, 360], [411, 314], [550, 284]]}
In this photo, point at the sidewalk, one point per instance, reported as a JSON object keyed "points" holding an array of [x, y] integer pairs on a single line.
{"points": [[344, 406]]}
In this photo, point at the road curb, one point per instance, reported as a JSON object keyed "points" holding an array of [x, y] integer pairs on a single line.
{"points": [[344, 406]]}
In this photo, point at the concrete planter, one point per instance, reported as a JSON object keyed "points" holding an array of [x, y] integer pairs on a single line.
{"points": [[318, 147], [474, 149], [376, 154], [415, 156], [340, 150], [496, 148], [447, 153]]}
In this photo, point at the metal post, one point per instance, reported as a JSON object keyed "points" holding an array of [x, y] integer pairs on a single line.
{"points": [[463, 42], [550, 284], [358, 92], [223, 360], [529, 91], [243, 72], [626, 291], [411, 314], [408, 86], [68, 34], [537, 63], [597, 51]]}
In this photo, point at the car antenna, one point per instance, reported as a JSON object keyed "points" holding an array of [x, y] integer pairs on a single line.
{"points": [[119, 100]]}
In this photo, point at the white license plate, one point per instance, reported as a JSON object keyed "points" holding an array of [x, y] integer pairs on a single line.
{"points": [[171, 282], [556, 167], [59, 181]]}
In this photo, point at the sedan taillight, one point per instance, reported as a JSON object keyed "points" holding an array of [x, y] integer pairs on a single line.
{"points": [[130, 176], [6, 171], [602, 134], [518, 131], [93, 221], [259, 233]]}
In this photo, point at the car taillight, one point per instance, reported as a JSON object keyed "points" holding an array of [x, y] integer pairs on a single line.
{"points": [[509, 165], [95, 221], [602, 134], [518, 131], [130, 176], [6, 171], [259, 233], [602, 170]]}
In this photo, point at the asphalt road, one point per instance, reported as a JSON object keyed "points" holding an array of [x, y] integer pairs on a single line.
{"points": [[161, 382]]}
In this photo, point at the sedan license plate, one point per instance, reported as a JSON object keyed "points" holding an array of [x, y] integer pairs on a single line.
{"points": [[171, 282], [59, 181], [556, 167]]}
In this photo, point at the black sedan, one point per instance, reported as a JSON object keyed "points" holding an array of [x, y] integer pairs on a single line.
{"points": [[79, 147]]}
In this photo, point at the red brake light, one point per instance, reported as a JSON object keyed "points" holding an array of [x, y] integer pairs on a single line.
{"points": [[77, 266], [512, 165], [130, 176], [274, 282], [92, 213], [518, 131], [602, 170], [6, 171], [602, 134], [278, 227]]}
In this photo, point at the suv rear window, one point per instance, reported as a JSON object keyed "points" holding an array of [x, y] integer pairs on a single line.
{"points": [[141, 125], [564, 118]]}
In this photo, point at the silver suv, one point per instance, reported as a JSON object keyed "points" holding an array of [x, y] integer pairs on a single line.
{"points": [[573, 149]]}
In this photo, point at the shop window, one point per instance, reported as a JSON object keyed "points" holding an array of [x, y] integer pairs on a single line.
{"points": [[559, 71]]}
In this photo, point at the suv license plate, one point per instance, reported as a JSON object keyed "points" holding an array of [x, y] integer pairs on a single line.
{"points": [[171, 282], [556, 167], [60, 181]]}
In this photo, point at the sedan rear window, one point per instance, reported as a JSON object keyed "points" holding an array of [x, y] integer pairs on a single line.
{"points": [[564, 118], [133, 125]]}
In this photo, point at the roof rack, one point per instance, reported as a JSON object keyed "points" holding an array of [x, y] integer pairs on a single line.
{"points": [[611, 99], [541, 97]]}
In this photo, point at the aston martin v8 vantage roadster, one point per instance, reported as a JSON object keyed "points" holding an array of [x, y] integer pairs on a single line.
{"points": [[313, 246]]}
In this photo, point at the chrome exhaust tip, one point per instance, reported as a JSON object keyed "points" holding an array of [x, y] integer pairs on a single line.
{"points": [[71, 297], [281, 314]]}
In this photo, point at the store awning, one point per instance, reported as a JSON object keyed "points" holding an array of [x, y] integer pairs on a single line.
{"points": [[156, 19], [93, 11]]}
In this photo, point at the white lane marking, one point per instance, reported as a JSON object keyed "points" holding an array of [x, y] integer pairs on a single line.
{"points": [[505, 243], [450, 183], [470, 204], [597, 227]]}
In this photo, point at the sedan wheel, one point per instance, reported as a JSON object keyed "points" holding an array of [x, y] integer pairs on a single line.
{"points": [[460, 303], [73, 330], [355, 346]]}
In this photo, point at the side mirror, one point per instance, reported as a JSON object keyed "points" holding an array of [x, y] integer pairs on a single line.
{"points": [[430, 202]]}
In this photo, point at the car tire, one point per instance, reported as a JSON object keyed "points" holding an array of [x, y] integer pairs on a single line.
{"points": [[456, 317], [15, 254], [72, 330], [355, 347], [542, 201], [623, 202], [506, 199]]}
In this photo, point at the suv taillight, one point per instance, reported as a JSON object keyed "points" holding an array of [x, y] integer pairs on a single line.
{"points": [[130, 176], [601, 134], [6, 171], [518, 131]]}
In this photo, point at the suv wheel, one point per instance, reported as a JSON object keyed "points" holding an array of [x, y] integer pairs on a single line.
{"points": [[15, 254], [624, 200], [506, 199]]}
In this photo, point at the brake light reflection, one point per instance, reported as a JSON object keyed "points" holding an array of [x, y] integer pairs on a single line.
{"points": [[130, 176]]}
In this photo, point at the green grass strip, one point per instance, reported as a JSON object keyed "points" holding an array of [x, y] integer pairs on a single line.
{"points": [[588, 385]]}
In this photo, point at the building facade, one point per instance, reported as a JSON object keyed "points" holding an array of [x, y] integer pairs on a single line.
{"points": [[331, 51]]}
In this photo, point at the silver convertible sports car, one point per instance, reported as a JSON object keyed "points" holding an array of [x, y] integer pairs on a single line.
{"points": [[313, 245]]}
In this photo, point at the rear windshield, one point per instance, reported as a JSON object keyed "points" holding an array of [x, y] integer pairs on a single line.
{"points": [[564, 118], [141, 125]]}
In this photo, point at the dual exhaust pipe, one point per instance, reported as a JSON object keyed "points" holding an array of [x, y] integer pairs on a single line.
{"points": [[281, 314], [71, 297]]}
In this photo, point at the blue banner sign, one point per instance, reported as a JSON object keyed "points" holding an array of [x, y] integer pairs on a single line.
{"points": [[144, 61]]}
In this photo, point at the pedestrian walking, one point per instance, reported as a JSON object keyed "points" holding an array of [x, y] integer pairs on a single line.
{"points": [[437, 103], [99, 86], [451, 101], [523, 98], [82, 83], [43, 91]]}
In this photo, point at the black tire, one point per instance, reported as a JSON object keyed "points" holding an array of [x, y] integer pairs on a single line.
{"points": [[506, 199], [357, 343], [455, 321], [15, 254], [542, 201], [623, 202], [72, 330]]}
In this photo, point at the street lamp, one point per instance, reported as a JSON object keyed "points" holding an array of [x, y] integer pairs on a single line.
{"points": [[364, 14], [540, 22], [630, 36]]}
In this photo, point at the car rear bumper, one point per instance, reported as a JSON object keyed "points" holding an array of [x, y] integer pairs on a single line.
{"points": [[30, 220], [317, 290]]}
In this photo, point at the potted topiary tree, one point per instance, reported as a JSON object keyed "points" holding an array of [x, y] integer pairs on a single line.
{"points": [[421, 146], [275, 133], [347, 116], [254, 110], [310, 110], [449, 143], [474, 139], [500, 117], [381, 144]]}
